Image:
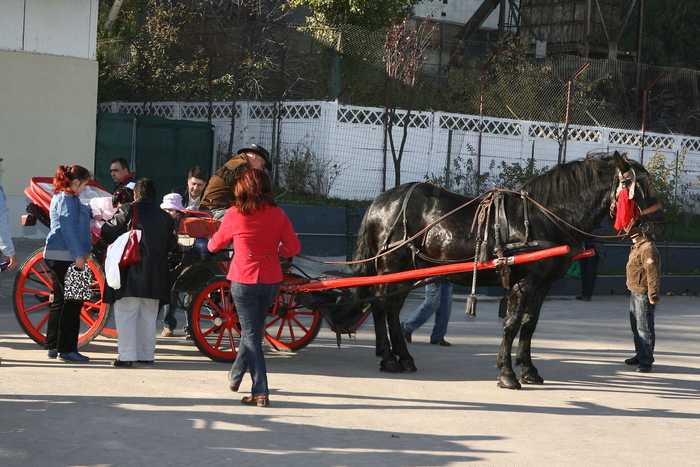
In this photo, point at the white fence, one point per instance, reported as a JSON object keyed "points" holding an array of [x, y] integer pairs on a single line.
{"points": [[352, 137]]}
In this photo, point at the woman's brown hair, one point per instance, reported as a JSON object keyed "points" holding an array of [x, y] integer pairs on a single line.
{"points": [[65, 175], [253, 191]]}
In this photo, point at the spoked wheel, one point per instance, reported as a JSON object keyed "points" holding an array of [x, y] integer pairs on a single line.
{"points": [[33, 290], [291, 326], [214, 322]]}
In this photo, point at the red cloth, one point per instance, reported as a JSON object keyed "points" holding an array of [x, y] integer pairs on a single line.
{"points": [[625, 210], [256, 242]]}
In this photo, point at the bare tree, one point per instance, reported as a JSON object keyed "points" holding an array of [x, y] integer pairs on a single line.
{"points": [[404, 55]]}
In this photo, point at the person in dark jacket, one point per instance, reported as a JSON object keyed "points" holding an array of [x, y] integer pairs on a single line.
{"points": [[146, 284], [192, 192], [119, 171]]}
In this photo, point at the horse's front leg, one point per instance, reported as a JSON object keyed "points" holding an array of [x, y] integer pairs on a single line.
{"points": [[523, 357], [511, 325]]}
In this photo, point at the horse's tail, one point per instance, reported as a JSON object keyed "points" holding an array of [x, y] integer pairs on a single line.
{"points": [[363, 250]]}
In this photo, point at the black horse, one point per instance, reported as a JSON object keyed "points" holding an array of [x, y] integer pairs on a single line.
{"points": [[556, 208]]}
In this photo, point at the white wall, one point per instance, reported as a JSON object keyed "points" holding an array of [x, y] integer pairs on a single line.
{"points": [[352, 137], [456, 12], [56, 27]]}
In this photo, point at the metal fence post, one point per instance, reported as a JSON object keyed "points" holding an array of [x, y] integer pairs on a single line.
{"points": [[645, 98], [568, 108]]}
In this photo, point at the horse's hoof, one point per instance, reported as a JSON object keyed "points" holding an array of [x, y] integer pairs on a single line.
{"points": [[508, 382], [390, 367], [532, 378], [408, 365]]}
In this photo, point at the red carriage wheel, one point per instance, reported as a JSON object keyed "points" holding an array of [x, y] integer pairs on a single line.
{"points": [[214, 322], [290, 325], [32, 293]]}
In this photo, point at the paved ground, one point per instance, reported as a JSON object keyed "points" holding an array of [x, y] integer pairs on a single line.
{"points": [[332, 407]]}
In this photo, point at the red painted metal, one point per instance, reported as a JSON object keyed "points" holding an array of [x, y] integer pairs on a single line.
{"points": [[585, 254], [424, 272]]}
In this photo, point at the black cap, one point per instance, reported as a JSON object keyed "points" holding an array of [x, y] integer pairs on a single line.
{"points": [[260, 151]]}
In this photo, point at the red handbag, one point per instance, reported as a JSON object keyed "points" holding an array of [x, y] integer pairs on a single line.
{"points": [[132, 251]]}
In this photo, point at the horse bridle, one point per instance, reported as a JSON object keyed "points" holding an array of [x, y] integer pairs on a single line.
{"points": [[629, 180]]}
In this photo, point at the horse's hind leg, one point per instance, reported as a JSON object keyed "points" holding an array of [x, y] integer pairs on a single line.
{"points": [[386, 311], [398, 342], [383, 346]]}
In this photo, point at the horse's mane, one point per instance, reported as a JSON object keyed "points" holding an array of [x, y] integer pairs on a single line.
{"points": [[574, 181]]}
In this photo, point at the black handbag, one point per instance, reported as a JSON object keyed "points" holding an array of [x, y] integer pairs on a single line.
{"points": [[78, 284]]}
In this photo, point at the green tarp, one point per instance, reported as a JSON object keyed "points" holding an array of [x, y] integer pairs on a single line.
{"points": [[158, 148]]}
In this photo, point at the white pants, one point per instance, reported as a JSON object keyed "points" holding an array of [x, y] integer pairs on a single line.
{"points": [[136, 328]]}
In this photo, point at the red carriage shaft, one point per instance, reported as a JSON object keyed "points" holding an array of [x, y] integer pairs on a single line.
{"points": [[425, 272]]}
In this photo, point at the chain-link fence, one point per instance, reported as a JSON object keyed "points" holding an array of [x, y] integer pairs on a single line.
{"points": [[468, 119]]}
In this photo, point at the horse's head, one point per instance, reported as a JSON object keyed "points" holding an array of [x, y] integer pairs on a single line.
{"points": [[633, 191]]}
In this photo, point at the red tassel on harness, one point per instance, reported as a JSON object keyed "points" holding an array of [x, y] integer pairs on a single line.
{"points": [[625, 210]]}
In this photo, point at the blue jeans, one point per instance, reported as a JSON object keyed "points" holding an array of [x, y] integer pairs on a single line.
{"points": [[642, 321], [438, 300], [169, 320], [252, 302]]}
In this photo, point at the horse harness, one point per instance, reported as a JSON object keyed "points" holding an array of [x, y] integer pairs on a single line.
{"points": [[493, 200]]}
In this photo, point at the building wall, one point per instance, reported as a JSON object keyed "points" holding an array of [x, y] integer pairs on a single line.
{"points": [[455, 12], [56, 27], [48, 94]]}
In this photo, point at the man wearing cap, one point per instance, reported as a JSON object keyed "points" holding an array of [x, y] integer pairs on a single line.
{"points": [[219, 194]]}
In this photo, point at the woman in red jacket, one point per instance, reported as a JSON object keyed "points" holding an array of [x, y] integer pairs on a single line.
{"points": [[259, 231]]}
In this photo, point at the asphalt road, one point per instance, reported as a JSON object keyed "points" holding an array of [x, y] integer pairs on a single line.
{"points": [[332, 407]]}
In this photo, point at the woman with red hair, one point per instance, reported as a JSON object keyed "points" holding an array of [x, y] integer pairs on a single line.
{"points": [[69, 241], [259, 231]]}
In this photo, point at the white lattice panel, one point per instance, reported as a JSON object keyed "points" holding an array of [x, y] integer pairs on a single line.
{"points": [[588, 135], [691, 144], [544, 131], [625, 138], [502, 127], [358, 115], [166, 110], [261, 111], [460, 123], [301, 111], [659, 141], [200, 110]]}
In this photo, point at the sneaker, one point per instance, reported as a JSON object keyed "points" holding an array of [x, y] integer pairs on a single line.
{"points": [[407, 335], [167, 332], [73, 357], [51, 353], [441, 343], [632, 361]]}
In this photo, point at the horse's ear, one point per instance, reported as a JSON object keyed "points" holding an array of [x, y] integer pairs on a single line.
{"points": [[620, 162]]}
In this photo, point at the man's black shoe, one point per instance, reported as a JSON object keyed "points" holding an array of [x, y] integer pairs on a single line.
{"points": [[406, 334], [632, 361], [441, 343], [644, 368], [585, 298]]}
